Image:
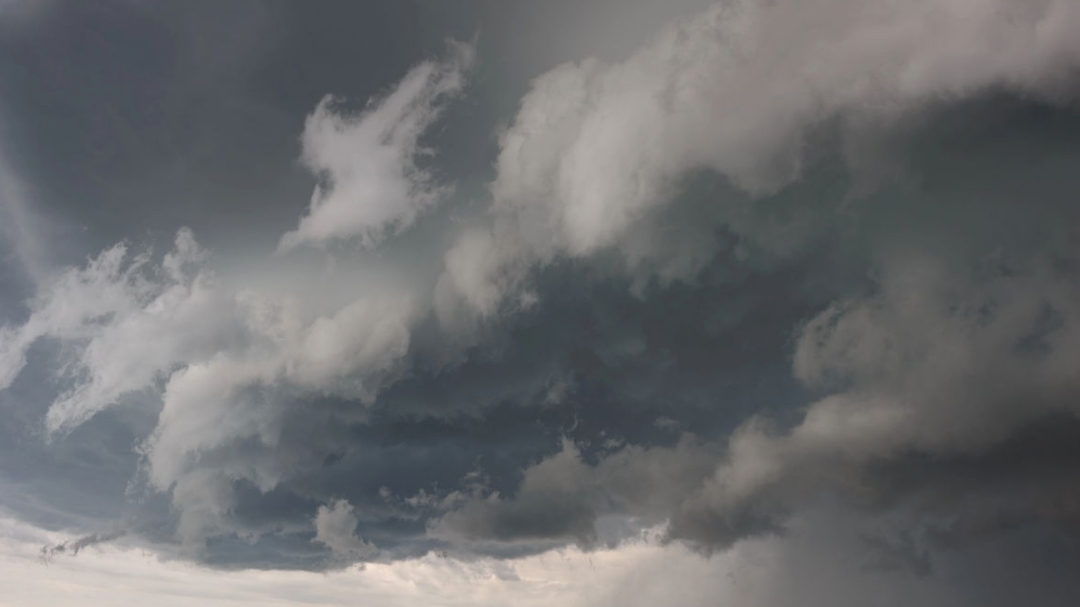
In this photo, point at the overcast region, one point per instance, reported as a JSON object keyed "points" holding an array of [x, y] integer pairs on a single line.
{"points": [[760, 303]]}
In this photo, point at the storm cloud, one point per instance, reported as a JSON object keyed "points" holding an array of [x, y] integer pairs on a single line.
{"points": [[779, 279]]}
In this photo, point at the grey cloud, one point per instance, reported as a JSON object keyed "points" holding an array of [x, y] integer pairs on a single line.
{"points": [[137, 309], [562, 497], [738, 89], [368, 162], [831, 240], [940, 363], [934, 365], [74, 546], [222, 361], [335, 527]]}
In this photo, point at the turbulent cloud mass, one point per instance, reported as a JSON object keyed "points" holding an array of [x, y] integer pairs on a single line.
{"points": [[777, 305], [369, 162]]}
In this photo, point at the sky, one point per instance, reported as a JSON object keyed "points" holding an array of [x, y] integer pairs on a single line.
{"points": [[758, 303]]}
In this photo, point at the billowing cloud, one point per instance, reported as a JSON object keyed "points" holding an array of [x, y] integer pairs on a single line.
{"points": [[225, 363], [934, 365], [564, 498], [125, 324], [739, 89], [335, 527], [371, 181], [941, 364], [792, 279]]}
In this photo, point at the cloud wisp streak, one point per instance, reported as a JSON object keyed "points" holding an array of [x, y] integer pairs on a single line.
{"points": [[367, 163]]}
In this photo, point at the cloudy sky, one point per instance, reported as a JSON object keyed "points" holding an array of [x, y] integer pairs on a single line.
{"points": [[759, 303]]}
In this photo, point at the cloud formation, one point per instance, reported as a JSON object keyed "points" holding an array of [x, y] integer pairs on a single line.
{"points": [[125, 324], [371, 181], [934, 365], [791, 279], [335, 527], [739, 89]]}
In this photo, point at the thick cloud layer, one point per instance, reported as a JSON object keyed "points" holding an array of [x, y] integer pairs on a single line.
{"points": [[738, 89], [335, 526], [790, 276]]}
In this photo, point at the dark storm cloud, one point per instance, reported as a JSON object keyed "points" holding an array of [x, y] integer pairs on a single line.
{"points": [[757, 276]]}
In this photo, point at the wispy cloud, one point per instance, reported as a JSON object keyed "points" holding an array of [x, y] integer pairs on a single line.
{"points": [[367, 162]]}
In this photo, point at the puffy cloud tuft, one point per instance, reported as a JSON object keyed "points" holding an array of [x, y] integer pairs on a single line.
{"points": [[371, 184], [335, 528]]}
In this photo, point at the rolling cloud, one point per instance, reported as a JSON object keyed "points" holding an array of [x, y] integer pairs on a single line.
{"points": [[791, 276]]}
